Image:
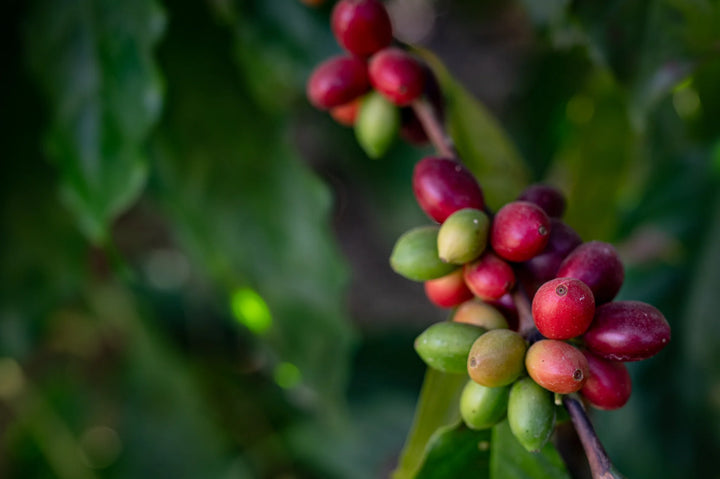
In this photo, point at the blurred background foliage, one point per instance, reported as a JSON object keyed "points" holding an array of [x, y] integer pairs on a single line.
{"points": [[194, 261]]}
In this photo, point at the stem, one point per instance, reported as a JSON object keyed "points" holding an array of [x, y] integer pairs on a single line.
{"points": [[526, 326], [434, 128], [600, 464]]}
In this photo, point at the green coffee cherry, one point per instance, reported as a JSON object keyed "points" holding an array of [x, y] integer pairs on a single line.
{"points": [[377, 124], [482, 407], [497, 358], [415, 255], [463, 236], [445, 346], [531, 414], [479, 313]]}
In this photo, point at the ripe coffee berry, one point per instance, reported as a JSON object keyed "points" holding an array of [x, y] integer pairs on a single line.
{"points": [[544, 266], [627, 331], [489, 277], [563, 308], [557, 366], [443, 186], [520, 230], [397, 75], [598, 265], [608, 385], [448, 291], [347, 113], [337, 81], [361, 27], [550, 199]]}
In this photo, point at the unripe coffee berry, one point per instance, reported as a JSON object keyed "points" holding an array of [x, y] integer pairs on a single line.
{"points": [[520, 230], [627, 331], [337, 81], [415, 255], [377, 124], [608, 385], [445, 346], [479, 313], [448, 291], [463, 236], [482, 407], [531, 414], [443, 186], [489, 277], [496, 358], [361, 27], [550, 199], [598, 265], [397, 75], [563, 308], [557, 366]]}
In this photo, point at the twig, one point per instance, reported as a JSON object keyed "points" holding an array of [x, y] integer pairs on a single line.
{"points": [[434, 128], [526, 326]]}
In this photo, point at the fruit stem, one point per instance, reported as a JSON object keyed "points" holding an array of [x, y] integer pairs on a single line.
{"points": [[526, 324], [600, 465], [434, 128]]}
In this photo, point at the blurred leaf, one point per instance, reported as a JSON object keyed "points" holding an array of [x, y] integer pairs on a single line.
{"points": [[93, 59], [249, 211], [510, 460], [455, 451], [483, 145]]}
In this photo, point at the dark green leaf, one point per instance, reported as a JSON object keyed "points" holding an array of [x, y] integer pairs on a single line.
{"points": [[456, 451], [93, 59], [510, 460]]}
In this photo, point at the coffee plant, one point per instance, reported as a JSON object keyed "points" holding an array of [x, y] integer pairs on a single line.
{"points": [[360, 238]]}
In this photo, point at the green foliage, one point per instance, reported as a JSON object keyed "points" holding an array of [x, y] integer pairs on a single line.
{"points": [[510, 460]]}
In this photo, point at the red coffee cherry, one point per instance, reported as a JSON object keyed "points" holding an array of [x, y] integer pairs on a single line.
{"points": [[608, 385], [347, 113], [563, 308], [448, 291], [557, 366], [397, 75], [627, 331], [489, 277], [520, 230], [544, 266], [361, 27], [443, 186], [336, 81], [550, 199], [598, 265]]}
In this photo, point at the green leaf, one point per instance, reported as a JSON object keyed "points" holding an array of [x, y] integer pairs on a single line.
{"points": [[93, 59], [456, 451], [510, 460], [483, 145]]}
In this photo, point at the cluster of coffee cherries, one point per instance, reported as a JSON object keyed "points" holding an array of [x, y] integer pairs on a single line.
{"points": [[372, 85], [521, 262]]}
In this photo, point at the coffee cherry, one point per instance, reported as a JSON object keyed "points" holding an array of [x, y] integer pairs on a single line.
{"points": [[489, 277], [347, 113], [627, 331], [463, 236], [557, 366], [520, 230], [482, 407], [443, 186], [337, 81], [415, 255], [479, 313], [361, 27], [397, 75], [496, 358], [563, 308], [531, 414], [377, 124], [507, 307], [608, 385], [598, 265], [445, 346], [550, 199], [544, 266], [448, 291]]}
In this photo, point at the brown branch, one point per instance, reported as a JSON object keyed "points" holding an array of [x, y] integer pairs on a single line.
{"points": [[434, 128]]}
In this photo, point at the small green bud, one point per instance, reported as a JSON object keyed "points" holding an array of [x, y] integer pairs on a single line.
{"points": [[531, 414], [497, 358], [463, 236], [415, 255], [482, 407], [479, 313], [445, 346], [377, 124]]}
